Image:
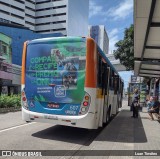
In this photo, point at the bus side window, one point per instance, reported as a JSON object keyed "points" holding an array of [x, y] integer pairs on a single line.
{"points": [[111, 80], [118, 81], [104, 78], [116, 84], [99, 73]]}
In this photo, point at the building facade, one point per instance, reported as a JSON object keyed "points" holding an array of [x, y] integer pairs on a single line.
{"points": [[99, 34], [5, 60], [19, 35], [12, 38], [47, 16]]}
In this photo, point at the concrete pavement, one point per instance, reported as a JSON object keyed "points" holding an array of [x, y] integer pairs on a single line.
{"points": [[8, 120], [123, 133], [126, 133]]}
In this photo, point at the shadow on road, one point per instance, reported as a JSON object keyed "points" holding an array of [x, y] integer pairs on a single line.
{"points": [[68, 134], [124, 129]]}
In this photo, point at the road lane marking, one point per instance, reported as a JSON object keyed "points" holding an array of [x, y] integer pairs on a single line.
{"points": [[14, 127]]}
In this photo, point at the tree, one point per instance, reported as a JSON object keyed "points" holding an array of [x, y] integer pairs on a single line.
{"points": [[125, 49]]}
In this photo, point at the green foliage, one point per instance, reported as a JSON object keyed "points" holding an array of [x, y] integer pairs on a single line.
{"points": [[10, 101], [125, 49]]}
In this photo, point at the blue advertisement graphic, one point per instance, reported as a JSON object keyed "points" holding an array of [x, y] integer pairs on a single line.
{"points": [[60, 91], [55, 78]]}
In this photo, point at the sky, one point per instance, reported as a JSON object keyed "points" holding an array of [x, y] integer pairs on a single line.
{"points": [[116, 15]]}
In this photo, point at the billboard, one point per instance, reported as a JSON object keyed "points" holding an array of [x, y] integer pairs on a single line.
{"points": [[142, 91]]}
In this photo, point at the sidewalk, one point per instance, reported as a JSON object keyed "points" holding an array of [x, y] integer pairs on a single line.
{"points": [[126, 133]]}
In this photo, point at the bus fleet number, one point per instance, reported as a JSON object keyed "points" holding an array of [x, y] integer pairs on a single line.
{"points": [[75, 108]]}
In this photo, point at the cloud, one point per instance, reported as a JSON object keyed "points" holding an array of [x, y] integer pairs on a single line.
{"points": [[121, 11], [94, 9], [113, 38]]}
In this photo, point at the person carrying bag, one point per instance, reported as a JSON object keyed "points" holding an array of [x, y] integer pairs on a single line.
{"points": [[135, 103]]}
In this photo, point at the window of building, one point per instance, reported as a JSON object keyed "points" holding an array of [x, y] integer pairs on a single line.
{"points": [[42, 31], [12, 6], [17, 16], [47, 1], [20, 25], [63, 6], [30, 8], [60, 29], [28, 15], [4, 68], [54, 15], [43, 2], [4, 49], [4, 12], [45, 31], [17, 8], [30, 1], [19, 1], [57, 22], [29, 23]]}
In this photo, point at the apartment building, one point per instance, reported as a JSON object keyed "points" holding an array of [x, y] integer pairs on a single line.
{"points": [[99, 34], [48, 16]]}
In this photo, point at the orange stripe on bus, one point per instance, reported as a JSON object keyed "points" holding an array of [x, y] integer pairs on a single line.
{"points": [[91, 62], [24, 63]]}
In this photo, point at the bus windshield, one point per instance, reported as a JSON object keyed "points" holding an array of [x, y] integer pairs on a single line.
{"points": [[55, 72]]}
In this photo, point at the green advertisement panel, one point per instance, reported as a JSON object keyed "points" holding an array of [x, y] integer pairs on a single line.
{"points": [[55, 73]]}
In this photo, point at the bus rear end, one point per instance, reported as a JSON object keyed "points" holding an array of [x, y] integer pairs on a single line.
{"points": [[53, 82]]}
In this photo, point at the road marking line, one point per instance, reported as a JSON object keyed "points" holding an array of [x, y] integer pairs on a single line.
{"points": [[16, 127]]}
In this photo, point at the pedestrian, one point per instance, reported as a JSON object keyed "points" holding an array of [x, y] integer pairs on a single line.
{"points": [[149, 106], [154, 109], [135, 103]]}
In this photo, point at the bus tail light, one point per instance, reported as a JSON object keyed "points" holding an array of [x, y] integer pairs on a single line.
{"points": [[85, 104], [86, 97], [24, 100]]}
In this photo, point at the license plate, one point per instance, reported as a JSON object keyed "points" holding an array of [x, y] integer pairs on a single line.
{"points": [[53, 105]]}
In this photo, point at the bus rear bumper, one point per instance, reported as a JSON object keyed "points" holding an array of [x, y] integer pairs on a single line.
{"points": [[83, 121]]}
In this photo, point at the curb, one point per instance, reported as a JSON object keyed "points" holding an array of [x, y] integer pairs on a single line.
{"points": [[10, 109]]}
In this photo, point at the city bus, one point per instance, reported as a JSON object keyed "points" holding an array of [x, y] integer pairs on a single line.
{"points": [[69, 81]]}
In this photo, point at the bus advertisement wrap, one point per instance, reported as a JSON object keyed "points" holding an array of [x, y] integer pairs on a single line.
{"points": [[55, 73]]}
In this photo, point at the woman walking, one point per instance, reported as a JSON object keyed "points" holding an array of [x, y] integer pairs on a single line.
{"points": [[135, 103]]}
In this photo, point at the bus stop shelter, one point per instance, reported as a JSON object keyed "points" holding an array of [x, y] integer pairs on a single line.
{"points": [[147, 38]]}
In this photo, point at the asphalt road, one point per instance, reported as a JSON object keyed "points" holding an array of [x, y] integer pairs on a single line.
{"points": [[15, 134]]}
